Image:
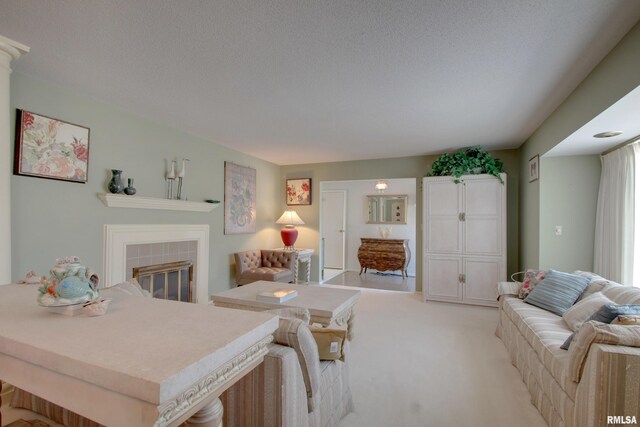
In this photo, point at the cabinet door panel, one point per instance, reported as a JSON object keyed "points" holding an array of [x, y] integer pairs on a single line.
{"points": [[483, 236], [443, 198], [483, 197], [442, 278], [443, 235], [481, 278], [442, 226]]}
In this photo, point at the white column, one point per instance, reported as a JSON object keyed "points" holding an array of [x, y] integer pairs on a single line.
{"points": [[9, 50]]}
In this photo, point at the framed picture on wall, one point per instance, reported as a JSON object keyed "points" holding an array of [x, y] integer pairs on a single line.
{"points": [[534, 168], [51, 148], [298, 192], [239, 199]]}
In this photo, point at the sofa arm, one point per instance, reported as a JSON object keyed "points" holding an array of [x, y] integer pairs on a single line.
{"points": [[295, 333], [609, 385], [273, 394], [508, 288]]}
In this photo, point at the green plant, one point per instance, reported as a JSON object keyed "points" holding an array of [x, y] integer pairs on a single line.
{"points": [[467, 161]]}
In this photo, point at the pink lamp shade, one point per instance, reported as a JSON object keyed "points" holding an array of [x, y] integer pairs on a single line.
{"points": [[289, 233]]}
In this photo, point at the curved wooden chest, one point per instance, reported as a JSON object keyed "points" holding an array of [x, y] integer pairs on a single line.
{"points": [[384, 254]]}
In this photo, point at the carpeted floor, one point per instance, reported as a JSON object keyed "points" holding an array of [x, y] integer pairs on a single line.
{"points": [[432, 364]]}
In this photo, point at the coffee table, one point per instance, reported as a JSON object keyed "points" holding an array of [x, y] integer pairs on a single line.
{"points": [[326, 305]]}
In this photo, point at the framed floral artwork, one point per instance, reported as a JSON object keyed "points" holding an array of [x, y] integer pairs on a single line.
{"points": [[51, 148], [298, 192], [239, 199]]}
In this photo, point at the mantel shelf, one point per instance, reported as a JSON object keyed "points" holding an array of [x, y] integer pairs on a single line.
{"points": [[137, 202]]}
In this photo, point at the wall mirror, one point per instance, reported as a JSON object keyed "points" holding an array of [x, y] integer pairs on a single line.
{"points": [[391, 209]]}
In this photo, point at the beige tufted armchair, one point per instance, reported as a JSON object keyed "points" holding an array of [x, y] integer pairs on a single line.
{"points": [[266, 264]]}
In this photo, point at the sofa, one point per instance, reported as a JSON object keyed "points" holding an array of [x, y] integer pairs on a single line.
{"points": [[265, 264], [596, 378], [292, 387]]}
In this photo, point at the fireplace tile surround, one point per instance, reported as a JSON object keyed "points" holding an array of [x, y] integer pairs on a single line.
{"points": [[156, 243]]}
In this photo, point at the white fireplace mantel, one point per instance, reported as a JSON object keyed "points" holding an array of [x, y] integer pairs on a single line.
{"points": [[118, 236], [137, 202]]}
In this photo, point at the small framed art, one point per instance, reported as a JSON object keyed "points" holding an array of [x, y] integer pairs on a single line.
{"points": [[534, 168], [51, 148], [298, 192]]}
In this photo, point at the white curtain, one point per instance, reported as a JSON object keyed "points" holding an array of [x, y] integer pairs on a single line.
{"points": [[616, 214]]}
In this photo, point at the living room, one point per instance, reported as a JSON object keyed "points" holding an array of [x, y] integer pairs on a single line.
{"points": [[50, 219]]}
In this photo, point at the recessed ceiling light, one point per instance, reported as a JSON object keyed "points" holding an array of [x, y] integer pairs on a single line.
{"points": [[608, 134]]}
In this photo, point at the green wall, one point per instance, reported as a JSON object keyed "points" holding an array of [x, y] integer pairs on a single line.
{"points": [[568, 197], [52, 219], [403, 167], [615, 76]]}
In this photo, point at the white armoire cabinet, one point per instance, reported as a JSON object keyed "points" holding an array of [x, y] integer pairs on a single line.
{"points": [[464, 237]]}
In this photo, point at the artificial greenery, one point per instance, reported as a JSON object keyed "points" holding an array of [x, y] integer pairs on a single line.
{"points": [[467, 161]]}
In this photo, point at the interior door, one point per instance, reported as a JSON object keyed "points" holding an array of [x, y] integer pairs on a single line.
{"points": [[333, 228]]}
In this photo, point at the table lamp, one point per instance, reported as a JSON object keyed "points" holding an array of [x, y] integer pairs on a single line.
{"points": [[289, 233]]}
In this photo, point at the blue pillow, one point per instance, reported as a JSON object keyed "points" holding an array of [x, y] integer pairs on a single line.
{"points": [[607, 314], [558, 291]]}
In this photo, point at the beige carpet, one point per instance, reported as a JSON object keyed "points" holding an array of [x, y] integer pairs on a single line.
{"points": [[432, 364]]}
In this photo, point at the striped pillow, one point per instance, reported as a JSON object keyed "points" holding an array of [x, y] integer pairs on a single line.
{"points": [[557, 291]]}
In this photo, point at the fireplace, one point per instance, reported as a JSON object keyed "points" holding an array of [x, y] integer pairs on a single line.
{"points": [[171, 280], [129, 246]]}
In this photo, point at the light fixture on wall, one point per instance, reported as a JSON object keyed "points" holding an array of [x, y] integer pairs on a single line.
{"points": [[289, 233], [381, 186]]}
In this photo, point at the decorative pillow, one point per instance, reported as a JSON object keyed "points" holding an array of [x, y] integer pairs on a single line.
{"points": [[557, 291], [581, 311], [626, 320], [531, 279], [330, 342], [594, 332], [607, 314], [596, 285]]}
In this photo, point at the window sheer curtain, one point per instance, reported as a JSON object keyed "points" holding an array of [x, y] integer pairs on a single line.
{"points": [[616, 237]]}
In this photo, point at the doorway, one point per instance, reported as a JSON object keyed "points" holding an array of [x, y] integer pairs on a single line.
{"points": [[333, 223]]}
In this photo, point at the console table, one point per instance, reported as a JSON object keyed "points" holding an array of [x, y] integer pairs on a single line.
{"points": [[384, 254], [130, 367]]}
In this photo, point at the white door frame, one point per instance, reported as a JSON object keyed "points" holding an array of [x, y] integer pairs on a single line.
{"points": [[322, 221]]}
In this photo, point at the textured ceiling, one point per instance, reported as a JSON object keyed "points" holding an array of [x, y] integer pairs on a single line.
{"points": [[304, 81]]}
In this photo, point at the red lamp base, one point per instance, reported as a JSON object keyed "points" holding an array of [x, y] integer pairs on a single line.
{"points": [[289, 236]]}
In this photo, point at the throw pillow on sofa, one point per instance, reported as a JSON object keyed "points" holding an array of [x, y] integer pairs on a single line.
{"points": [[557, 291], [575, 316], [531, 279], [607, 314]]}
